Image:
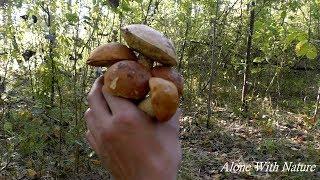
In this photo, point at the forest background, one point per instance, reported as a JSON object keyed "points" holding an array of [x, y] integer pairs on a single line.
{"points": [[251, 71]]}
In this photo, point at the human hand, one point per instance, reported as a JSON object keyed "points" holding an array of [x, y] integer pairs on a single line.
{"points": [[129, 143]]}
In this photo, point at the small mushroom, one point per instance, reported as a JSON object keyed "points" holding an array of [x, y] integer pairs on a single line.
{"points": [[151, 43], [108, 54], [170, 74], [127, 79], [163, 101]]}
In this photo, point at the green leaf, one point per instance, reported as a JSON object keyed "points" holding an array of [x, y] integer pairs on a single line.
{"points": [[301, 48], [125, 6], [256, 70], [294, 6], [305, 48], [7, 127], [312, 52], [283, 14], [259, 25], [302, 36], [291, 37], [72, 17], [258, 60]]}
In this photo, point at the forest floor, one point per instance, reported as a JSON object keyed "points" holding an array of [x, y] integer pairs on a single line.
{"points": [[281, 137], [277, 136]]}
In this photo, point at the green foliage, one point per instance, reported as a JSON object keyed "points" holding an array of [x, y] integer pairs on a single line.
{"points": [[303, 47], [72, 17], [44, 99]]}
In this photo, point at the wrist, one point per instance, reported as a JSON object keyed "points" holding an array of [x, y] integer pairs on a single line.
{"points": [[160, 172], [159, 176], [169, 173]]}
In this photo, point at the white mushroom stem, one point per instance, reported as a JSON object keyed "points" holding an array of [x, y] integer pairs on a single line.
{"points": [[146, 106], [147, 63]]}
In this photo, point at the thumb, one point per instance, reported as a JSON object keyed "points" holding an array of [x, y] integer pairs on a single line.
{"points": [[175, 120]]}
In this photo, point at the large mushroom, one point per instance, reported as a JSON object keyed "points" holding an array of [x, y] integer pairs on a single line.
{"points": [[107, 54], [127, 79], [151, 43], [163, 100]]}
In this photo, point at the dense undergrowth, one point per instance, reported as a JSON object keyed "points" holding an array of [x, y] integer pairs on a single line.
{"points": [[44, 141], [44, 83]]}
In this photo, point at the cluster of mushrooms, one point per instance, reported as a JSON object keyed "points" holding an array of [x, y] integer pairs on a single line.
{"points": [[142, 72]]}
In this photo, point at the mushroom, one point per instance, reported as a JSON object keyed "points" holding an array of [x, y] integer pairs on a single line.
{"points": [[163, 101], [132, 75], [108, 54], [127, 79], [146, 62], [150, 43], [170, 74]]}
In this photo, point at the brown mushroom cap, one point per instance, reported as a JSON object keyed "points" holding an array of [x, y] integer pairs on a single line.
{"points": [[150, 43], [170, 74], [164, 98], [127, 79], [108, 54]]}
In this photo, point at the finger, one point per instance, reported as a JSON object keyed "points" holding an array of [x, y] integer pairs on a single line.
{"points": [[117, 104], [91, 122], [92, 142], [96, 100], [174, 121]]}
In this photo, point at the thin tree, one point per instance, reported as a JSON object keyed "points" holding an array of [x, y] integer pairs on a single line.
{"points": [[145, 20], [248, 59], [213, 61], [315, 115], [186, 34]]}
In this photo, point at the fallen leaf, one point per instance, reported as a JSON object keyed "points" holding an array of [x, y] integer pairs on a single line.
{"points": [[31, 173], [96, 162]]}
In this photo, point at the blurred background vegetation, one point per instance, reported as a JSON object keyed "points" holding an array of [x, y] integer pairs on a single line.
{"points": [[44, 82]]}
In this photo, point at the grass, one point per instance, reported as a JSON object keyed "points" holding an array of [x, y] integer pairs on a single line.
{"points": [[270, 135], [278, 129]]}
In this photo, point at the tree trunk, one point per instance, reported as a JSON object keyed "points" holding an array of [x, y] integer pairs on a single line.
{"points": [[213, 62], [184, 44], [51, 38], [247, 60], [317, 107], [310, 22], [145, 20]]}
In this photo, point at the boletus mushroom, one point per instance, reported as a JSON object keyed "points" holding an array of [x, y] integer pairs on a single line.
{"points": [[151, 43], [107, 54], [163, 100], [170, 74], [127, 79]]}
